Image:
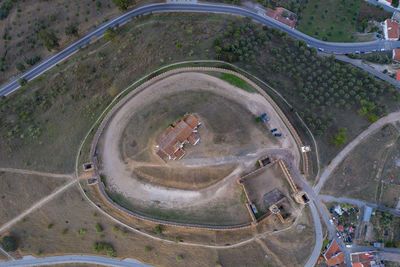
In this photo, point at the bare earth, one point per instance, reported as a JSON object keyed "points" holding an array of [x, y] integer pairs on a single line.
{"points": [[119, 174]]}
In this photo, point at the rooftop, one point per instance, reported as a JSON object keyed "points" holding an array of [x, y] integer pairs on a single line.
{"points": [[336, 259], [170, 142], [392, 29]]}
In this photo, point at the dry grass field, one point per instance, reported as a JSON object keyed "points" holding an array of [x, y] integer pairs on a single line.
{"points": [[188, 178], [292, 247], [229, 211], [20, 29], [68, 98], [359, 174], [3, 257], [16, 192], [390, 195], [70, 211], [392, 164]]}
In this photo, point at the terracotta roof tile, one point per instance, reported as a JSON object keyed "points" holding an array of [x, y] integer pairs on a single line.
{"points": [[336, 259], [171, 140], [392, 29]]}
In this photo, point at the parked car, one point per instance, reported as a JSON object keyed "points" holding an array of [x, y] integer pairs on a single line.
{"points": [[266, 119], [278, 134], [274, 130], [263, 115]]}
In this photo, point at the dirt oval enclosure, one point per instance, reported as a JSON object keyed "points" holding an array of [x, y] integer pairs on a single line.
{"points": [[201, 187]]}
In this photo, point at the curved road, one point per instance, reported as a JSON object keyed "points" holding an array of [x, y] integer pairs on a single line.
{"points": [[32, 261], [339, 48]]}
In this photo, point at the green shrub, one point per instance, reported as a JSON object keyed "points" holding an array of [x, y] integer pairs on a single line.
{"points": [[110, 34], [65, 231], [123, 4], [81, 232], [148, 249], [179, 258], [49, 39], [340, 138], [9, 243], [50, 225], [115, 229], [22, 81], [158, 229], [98, 228], [72, 30], [100, 246]]}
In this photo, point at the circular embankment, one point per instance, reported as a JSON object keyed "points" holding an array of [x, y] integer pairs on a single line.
{"points": [[122, 149]]}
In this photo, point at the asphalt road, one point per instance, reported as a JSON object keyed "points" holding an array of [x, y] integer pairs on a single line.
{"points": [[31, 261], [329, 47]]}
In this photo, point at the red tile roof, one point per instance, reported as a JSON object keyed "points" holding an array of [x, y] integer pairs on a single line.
{"points": [[193, 138], [396, 54], [340, 228], [332, 250], [336, 259], [398, 75], [191, 120], [172, 139], [179, 153], [392, 29], [276, 14]]}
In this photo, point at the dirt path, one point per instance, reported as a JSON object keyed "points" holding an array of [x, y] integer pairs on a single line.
{"points": [[36, 206], [46, 174], [392, 117], [119, 177]]}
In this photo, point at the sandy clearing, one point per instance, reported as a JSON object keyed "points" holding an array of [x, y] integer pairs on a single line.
{"points": [[119, 175]]}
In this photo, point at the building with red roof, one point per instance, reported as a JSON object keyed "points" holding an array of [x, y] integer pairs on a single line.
{"points": [[398, 75], [170, 142], [282, 15], [391, 29], [396, 54], [333, 255]]}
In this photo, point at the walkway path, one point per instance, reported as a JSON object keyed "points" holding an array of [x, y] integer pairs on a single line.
{"points": [[392, 117], [46, 174], [36, 206]]}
